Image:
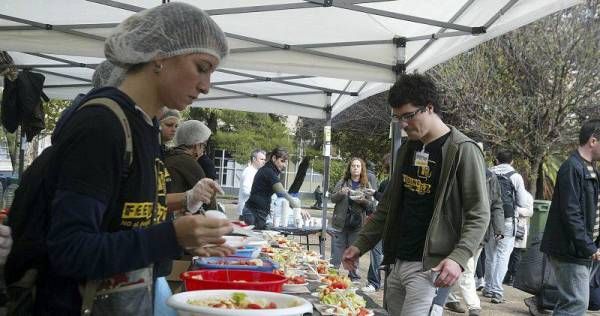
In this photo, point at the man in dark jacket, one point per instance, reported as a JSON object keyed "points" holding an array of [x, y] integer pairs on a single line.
{"points": [[435, 211], [572, 228]]}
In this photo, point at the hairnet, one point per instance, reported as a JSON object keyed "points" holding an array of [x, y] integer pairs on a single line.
{"points": [[107, 74], [191, 132], [169, 113], [165, 31]]}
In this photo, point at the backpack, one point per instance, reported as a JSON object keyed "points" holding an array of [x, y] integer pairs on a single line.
{"points": [[507, 193], [29, 215]]}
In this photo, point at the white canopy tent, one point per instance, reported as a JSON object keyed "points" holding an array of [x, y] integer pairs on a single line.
{"points": [[311, 58], [285, 54]]}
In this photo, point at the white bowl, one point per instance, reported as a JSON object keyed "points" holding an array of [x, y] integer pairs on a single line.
{"points": [[179, 303], [215, 214]]}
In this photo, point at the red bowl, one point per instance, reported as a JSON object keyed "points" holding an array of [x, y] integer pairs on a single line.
{"points": [[225, 280]]}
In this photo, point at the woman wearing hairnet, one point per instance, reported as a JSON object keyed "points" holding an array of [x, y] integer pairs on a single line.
{"points": [[109, 220], [169, 121], [185, 172]]}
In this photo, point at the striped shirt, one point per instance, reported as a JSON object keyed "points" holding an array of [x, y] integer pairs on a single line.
{"points": [[596, 231]]}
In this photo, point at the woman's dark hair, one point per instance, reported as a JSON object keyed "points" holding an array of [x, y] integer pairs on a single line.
{"points": [[135, 68], [364, 180], [278, 153], [588, 129], [418, 89]]}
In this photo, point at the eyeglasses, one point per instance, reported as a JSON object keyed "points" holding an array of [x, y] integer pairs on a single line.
{"points": [[407, 116]]}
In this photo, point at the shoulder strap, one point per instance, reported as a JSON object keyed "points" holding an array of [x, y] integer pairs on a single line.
{"points": [[118, 111], [91, 286]]}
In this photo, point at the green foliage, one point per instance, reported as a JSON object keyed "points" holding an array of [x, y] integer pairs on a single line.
{"points": [[52, 110], [241, 132], [337, 168]]}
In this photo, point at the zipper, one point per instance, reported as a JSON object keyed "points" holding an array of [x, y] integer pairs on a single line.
{"points": [[452, 151]]}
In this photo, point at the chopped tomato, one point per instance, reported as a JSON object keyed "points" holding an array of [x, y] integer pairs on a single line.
{"points": [[254, 306], [272, 305], [339, 285], [363, 312]]}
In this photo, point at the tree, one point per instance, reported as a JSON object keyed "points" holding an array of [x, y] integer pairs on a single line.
{"points": [[362, 131], [528, 91], [241, 132]]}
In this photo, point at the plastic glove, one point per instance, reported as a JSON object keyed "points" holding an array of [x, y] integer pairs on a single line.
{"points": [[201, 193], [5, 243]]}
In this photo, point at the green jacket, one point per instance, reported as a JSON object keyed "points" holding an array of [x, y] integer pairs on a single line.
{"points": [[461, 213]]}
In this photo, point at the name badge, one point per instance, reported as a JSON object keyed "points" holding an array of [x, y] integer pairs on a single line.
{"points": [[421, 159]]}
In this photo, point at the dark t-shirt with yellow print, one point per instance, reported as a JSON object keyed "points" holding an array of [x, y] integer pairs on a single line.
{"points": [[93, 196], [420, 175]]}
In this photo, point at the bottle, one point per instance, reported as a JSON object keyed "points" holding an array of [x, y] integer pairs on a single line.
{"points": [[285, 211]]}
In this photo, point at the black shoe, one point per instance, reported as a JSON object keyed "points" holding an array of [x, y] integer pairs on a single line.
{"points": [[497, 299], [508, 280], [455, 307]]}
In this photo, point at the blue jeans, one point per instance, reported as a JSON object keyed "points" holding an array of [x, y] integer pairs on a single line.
{"points": [[573, 283], [340, 241], [497, 255], [374, 275]]}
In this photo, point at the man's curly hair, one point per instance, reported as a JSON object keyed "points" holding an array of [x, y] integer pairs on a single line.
{"points": [[418, 89]]}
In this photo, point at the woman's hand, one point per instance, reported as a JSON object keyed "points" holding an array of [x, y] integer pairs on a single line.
{"points": [[345, 190], [202, 192], [195, 231], [217, 251]]}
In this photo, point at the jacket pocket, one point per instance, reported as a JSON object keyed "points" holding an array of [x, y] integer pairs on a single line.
{"points": [[443, 237]]}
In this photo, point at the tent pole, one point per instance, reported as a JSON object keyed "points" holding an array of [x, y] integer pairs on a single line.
{"points": [[400, 69], [22, 148], [326, 162]]}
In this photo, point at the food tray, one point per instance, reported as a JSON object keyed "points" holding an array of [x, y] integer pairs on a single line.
{"points": [[230, 280], [215, 263], [247, 252]]}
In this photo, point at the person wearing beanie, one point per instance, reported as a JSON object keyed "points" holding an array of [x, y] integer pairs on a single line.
{"points": [[185, 172], [109, 219], [169, 121]]}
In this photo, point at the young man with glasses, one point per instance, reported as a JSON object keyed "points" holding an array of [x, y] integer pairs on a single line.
{"points": [[435, 212], [573, 225]]}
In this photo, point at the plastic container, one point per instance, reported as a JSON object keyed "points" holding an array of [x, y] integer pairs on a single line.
{"points": [[226, 280], [215, 263], [537, 223], [247, 252]]}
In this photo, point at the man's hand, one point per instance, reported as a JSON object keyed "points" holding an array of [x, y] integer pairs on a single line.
{"points": [[350, 258], [596, 256], [5, 243], [194, 231], [450, 272]]}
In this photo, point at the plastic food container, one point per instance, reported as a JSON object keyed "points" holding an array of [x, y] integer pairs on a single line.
{"points": [[288, 305], [232, 280], [222, 263], [247, 252]]}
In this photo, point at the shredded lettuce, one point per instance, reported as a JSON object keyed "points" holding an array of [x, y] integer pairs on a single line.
{"points": [[238, 297]]}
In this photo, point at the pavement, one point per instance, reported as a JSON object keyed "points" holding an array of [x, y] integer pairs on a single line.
{"points": [[514, 298]]}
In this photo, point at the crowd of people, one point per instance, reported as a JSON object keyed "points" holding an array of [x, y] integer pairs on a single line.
{"points": [[444, 223]]}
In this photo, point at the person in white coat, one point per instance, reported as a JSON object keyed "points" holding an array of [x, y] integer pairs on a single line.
{"points": [[257, 160], [523, 215], [497, 251]]}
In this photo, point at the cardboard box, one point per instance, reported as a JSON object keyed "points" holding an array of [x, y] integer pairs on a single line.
{"points": [[179, 266]]}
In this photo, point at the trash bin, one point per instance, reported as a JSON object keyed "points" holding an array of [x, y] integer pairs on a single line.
{"points": [[540, 214]]}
